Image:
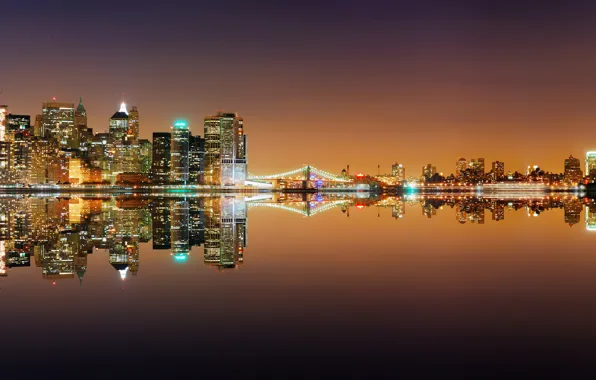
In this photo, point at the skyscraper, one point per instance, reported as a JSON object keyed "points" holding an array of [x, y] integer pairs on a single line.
{"points": [[477, 166], [460, 166], [3, 113], [160, 165], [573, 173], [81, 125], [398, 171], [119, 124], [591, 164], [428, 170], [17, 124], [225, 150], [179, 152], [196, 158], [498, 169], [58, 122], [132, 134], [145, 156]]}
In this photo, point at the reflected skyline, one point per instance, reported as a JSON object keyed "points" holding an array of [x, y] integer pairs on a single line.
{"points": [[57, 234]]}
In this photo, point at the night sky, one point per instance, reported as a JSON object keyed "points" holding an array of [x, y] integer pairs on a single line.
{"points": [[328, 83]]}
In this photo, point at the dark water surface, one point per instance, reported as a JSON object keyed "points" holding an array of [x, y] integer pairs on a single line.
{"points": [[308, 287]]}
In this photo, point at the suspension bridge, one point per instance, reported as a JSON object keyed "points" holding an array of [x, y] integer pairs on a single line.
{"points": [[304, 177]]}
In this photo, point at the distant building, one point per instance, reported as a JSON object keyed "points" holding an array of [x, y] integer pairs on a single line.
{"points": [[160, 165], [573, 173], [460, 166], [428, 170], [573, 208], [3, 114], [132, 134], [126, 158], [81, 133], [145, 156], [119, 124], [498, 170], [591, 164], [17, 124], [398, 171], [225, 150], [179, 152], [477, 166], [58, 123], [5, 162], [196, 158]]}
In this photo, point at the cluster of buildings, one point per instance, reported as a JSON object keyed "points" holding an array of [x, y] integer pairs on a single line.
{"points": [[474, 171], [60, 148], [58, 234]]}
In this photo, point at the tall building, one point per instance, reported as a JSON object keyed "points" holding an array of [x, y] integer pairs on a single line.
{"points": [[498, 169], [573, 173], [17, 124], [119, 124], [20, 159], [58, 123], [460, 166], [591, 164], [477, 166], [5, 172], [132, 134], [196, 159], [225, 150], [179, 152], [179, 228], [38, 126], [145, 156], [429, 170], [81, 138], [161, 223], [398, 171], [3, 114], [160, 165], [126, 158]]}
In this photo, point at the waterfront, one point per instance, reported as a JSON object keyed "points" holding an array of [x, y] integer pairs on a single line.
{"points": [[142, 286]]}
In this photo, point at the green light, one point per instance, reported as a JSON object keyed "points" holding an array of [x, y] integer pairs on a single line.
{"points": [[181, 124], [180, 257]]}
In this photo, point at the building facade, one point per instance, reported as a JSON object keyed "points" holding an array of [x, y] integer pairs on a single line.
{"points": [[58, 123], [225, 150], [573, 173], [179, 152], [160, 165]]}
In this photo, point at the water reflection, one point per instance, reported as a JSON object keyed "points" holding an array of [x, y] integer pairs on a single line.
{"points": [[59, 233]]}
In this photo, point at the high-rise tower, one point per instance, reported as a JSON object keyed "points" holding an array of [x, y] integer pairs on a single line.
{"points": [[119, 124], [225, 150], [132, 133], [179, 152]]}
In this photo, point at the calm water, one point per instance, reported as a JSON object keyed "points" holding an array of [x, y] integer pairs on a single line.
{"points": [[105, 287]]}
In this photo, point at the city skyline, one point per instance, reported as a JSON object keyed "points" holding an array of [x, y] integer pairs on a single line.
{"points": [[406, 74]]}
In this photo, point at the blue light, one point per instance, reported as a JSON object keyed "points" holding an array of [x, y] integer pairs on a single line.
{"points": [[180, 257], [180, 124]]}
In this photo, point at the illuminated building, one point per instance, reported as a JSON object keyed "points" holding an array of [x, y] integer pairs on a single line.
{"points": [[81, 137], [460, 166], [161, 226], [58, 262], [399, 172], [80, 265], [42, 153], [225, 150], [498, 170], [101, 154], [398, 210], [132, 178], [428, 170], [38, 126], [126, 158], [17, 124], [119, 124], [477, 166], [145, 156], [3, 114], [74, 171], [5, 173], [179, 152], [196, 156], [3, 267], [132, 134], [573, 173], [20, 158], [591, 164], [160, 165], [58, 123]]}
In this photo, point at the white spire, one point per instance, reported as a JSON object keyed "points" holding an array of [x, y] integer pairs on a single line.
{"points": [[123, 108]]}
